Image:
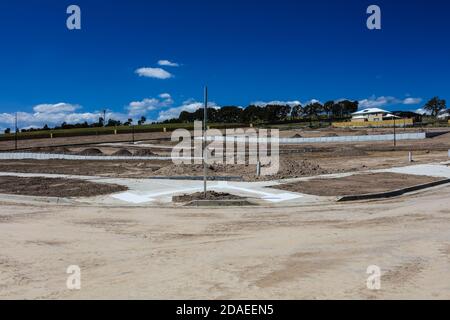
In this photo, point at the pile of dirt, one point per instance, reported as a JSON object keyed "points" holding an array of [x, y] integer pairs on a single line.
{"points": [[288, 169], [55, 187], [122, 153], [143, 153], [90, 152], [52, 150], [297, 136], [357, 184], [210, 195], [294, 169]]}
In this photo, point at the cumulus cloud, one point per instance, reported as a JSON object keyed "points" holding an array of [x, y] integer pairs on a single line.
{"points": [[276, 102], [409, 101], [58, 107], [189, 106], [157, 73], [384, 101], [422, 111], [53, 115], [138, 108], [168, 63]]}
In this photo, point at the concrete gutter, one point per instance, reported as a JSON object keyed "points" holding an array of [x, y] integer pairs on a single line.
{"points": [[391, 194]]}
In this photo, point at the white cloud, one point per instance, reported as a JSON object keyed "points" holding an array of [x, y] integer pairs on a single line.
{"points": [[384, 101], [276, 102], [422, 111], [168, 63], [54, 115], [189, 105], [311, 102], [156, 73], [58, 107], [139, 108], [409, 101], [165, 96], [378, 102]]}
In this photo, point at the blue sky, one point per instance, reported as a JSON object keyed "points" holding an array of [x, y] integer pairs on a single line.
{"points": [[246, 51]]}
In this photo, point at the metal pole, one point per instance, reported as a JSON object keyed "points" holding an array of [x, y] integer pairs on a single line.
{"points": [[132, 130], [205, 127], [15, 135], [395, 137]]}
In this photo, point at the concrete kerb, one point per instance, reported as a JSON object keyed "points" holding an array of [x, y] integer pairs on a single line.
{"points": [[391, 194]]}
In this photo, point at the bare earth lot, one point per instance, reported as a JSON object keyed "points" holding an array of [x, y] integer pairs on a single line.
{"points": [[55, 187], [265, 252], [276, 253], [357, 184], [296, 160]]}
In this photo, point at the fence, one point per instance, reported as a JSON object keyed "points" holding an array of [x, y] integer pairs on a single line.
{"points": [[381, 137], [52, 156], [385, 123]]}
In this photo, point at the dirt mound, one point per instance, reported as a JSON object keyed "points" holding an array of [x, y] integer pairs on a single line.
{"points": [[288, 169], [182, 170], [210, 195], [55, 150], [90, 152], [55, 187], [295, 169], [143, 153], [297, 136], [357, 184], [122, 153]]}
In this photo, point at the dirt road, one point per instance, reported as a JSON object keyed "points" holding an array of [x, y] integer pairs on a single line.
{"points": [[284, 253]]}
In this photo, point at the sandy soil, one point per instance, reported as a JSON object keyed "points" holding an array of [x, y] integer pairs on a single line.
{"points": [[315, 252], [210, 195], [55, 187], [34, 143], [122, 169], [357, 184], [296, 160]]}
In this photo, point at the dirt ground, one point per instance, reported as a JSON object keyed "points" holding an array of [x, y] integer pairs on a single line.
{"points": [[295, 160], [357, 184], [310, 252], [55, 187], [210, 195]]}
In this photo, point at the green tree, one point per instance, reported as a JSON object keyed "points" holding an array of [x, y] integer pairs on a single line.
{"points": [[328, 108], [435, 105], [296, 111], [312, 110]]}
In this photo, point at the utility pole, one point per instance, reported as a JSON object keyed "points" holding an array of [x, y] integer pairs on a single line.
{"points": [[104, 118], [132, 132], [205, 127], [15, 135], [395, 137]]}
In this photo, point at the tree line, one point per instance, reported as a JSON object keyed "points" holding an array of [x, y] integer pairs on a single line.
{"points": [[271, 113]]}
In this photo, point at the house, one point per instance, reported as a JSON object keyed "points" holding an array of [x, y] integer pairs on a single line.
{"points": [[444, 114], [417, 117], [370, 114]]}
